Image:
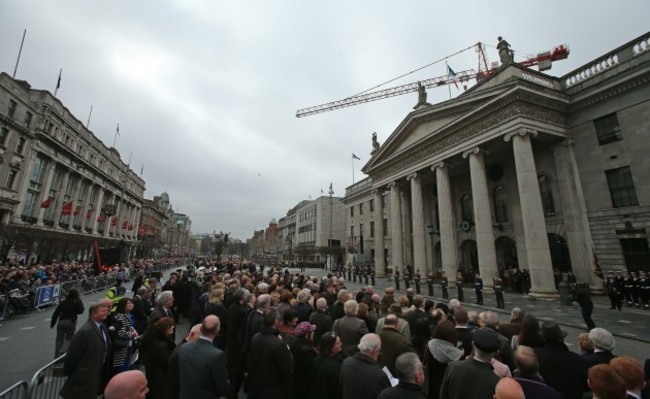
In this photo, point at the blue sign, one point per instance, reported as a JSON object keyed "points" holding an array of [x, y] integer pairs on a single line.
{"points": [[47, 295]]}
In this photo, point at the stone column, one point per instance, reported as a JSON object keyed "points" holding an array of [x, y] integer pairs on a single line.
{"points": [[380, 256], [136, 222], [60, 199], [574, 211], [419, 233], [75, 198], [100, 201], [45, 192], [538, 255], [487, 256], [87, 206], [26, 174], [448, 246], [397, 257]]}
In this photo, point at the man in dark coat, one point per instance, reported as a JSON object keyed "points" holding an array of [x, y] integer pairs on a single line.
{"points": [[86, 360], [321, 319], [202, 366], [234, 350], [141, 310], [560, 368], [393, 343], [270, 364], [361, 376], [411, 377], [418, 313], [473, 378]]}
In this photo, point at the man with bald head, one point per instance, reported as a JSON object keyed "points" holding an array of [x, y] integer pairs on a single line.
{"points": [[202, 366], [130, 384], [507, 388], [173, 373]]}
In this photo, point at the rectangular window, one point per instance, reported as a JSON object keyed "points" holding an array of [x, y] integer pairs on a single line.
{"points": [[621, 187], [372, 229], [4, 133], [361, 229], [352, 211], [28, 119], [11, 178], [361, 209], [352, 231], [21, 145], [636, 253], [12, 108], [608, 129], [385, 227], [372, 205]]}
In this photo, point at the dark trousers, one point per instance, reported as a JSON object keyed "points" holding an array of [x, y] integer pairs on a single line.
{"points": [[615, 300], [500, 302], [586, 316], [479, 297], [461, 295]]}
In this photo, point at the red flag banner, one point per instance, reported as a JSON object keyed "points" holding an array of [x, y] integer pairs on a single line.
{"points": [[77, 210], [130, 227], [89, 213], [114, 221], [67, 208], [125, 225], [47, 202], [101, 218]]}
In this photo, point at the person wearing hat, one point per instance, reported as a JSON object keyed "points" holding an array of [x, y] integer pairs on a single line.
{"points": [[604, 343], [473, 378], [303, 358], [614, 291], [560, 368]]}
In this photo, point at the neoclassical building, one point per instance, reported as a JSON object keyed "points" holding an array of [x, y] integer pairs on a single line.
{"points": [[523, 169], [61, 188]]}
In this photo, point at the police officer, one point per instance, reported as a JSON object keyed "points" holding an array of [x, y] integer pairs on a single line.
{"points": [[498, 290], [478, 289], [417, 281], [613, 291], [459, 286], [115, 293], [430, 283], [444, 283]]}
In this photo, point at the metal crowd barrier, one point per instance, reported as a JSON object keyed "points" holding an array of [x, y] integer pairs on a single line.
{"points": [[16, 391], [47, 381]]}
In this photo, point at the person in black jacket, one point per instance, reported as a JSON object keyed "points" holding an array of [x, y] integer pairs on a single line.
{"points": [[411, 377], [65, 319], [156, 348], [361, 376], [270, 363], [583, 297], [325, 381], [303, 358]]}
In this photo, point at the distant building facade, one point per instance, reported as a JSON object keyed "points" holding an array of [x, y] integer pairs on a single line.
{"points": [[524, 170]]}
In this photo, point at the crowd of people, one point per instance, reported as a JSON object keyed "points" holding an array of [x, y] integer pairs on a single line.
{"points": [[273, 334]]}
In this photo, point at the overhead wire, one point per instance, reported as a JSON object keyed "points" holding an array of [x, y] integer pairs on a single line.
{"points": [[413, 71]]}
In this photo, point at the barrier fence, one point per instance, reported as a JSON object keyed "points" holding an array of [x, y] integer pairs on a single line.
{"points": [[48, 380]]}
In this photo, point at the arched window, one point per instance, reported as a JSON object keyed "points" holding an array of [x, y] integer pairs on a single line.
{"points": [[500, 205], [466, 208], [547, 195]]}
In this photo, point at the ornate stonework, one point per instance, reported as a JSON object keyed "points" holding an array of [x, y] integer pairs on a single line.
{"points": [[488, 119]]}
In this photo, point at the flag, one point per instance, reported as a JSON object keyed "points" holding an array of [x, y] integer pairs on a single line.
{"points": [[597, 271], [58, 82], [452, 73], [47, 202], [114, 221], [130, 227], [142, 170], [330, 186], [101, 218], [355, 157], [77, 210], [89, 213], [125, 225], [117, 131], [67, 208]]}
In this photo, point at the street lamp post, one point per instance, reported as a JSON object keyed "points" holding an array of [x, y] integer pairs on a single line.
{"points": [[329, 242]]}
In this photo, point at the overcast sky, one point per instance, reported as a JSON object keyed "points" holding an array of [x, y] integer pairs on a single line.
{"points": [[206, 91]]}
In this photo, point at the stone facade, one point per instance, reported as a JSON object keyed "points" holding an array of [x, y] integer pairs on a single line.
{"points": [[523, 170]]}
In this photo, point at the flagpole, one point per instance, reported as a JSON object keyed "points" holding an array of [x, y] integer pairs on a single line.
{"points": [[19, 53], [448, 85], [89, 115], [353, 170], [117, 133]]}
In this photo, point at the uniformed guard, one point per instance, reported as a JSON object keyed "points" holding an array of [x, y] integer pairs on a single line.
{"points": [[498, 290], [628, 283], [613, 291], [478, 289], [406, 280], [645, 290], [636, 289], [365, 274], [444, 284], [430, 283], [417, 281], [459, 286], [396, 273], [355, 271], [372, 275], [349, 272]]}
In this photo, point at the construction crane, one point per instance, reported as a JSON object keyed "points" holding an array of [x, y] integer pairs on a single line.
{"points": [[543, 61]]}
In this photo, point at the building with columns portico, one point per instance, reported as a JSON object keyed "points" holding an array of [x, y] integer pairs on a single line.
{"points": [[523, 169]]}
